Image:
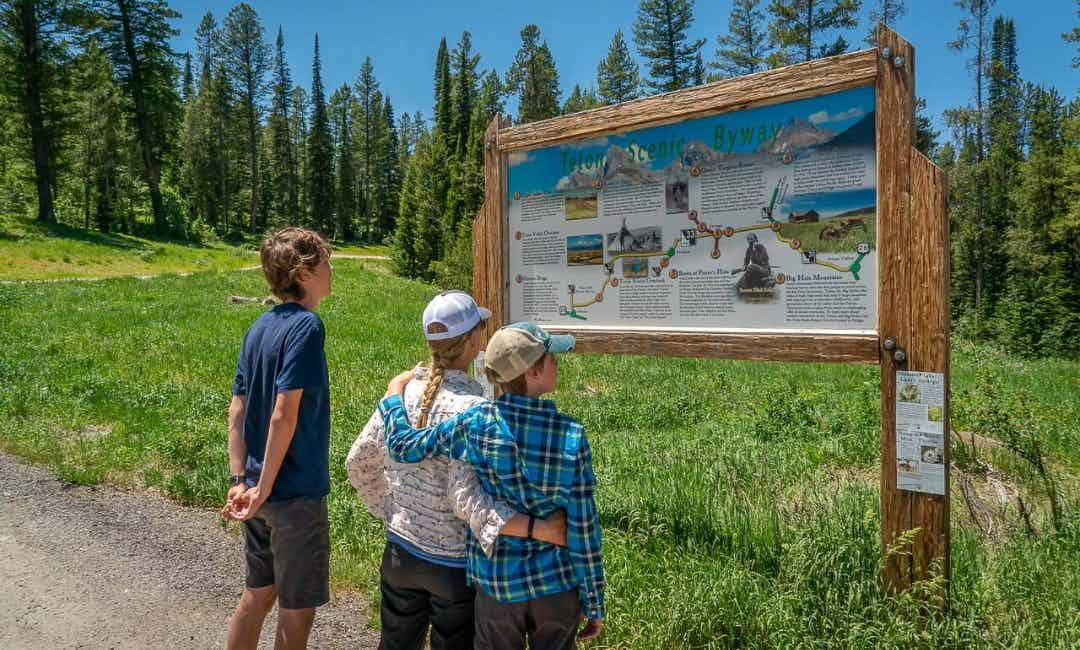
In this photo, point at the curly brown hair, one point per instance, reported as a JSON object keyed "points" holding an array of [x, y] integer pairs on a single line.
{"points": [[287, 252]]}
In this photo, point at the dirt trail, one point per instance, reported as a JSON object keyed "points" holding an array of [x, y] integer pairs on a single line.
{"points": [[98, 567]]}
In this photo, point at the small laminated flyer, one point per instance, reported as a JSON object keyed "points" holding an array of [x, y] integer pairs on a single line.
{"points": [[920, 432]]}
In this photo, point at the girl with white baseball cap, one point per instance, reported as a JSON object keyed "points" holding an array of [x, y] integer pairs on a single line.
{"points": [[426, 506]]}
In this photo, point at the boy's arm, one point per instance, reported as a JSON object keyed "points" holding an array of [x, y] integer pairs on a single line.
{"points": [[364, 466], [282, 428], [449, 438], [237, 452], [237, 446], [583, 536]]}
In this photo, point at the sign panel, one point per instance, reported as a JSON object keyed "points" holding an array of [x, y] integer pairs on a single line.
{"points": [[920, 431], [761, 219]]}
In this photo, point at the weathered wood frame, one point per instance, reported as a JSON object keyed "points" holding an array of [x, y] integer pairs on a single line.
{"points": [[912, 249]]}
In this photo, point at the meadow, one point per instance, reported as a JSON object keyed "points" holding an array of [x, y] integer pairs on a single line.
{"points": [[739, 500], [32, 251]]}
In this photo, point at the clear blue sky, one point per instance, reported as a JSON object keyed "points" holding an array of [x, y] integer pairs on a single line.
{"points": [[402, 37]]}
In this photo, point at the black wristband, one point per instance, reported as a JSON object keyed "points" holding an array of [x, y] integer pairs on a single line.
{"points": [[532, 522], [237, 479]]}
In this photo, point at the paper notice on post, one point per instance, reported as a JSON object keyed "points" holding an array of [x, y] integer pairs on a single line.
{"points": [[920, 431]]}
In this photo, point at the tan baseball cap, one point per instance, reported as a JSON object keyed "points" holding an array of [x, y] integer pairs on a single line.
{"points": [[516, 347]]}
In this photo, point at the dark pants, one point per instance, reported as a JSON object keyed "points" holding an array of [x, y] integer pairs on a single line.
{"points": [[549, 622], [416, 593]]}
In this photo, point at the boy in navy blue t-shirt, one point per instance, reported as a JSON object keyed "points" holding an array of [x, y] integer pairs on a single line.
{"points": [[279, 446]]}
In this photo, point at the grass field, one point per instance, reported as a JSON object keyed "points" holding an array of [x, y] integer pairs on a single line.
{"points": [[34, 252], [738, 500]]}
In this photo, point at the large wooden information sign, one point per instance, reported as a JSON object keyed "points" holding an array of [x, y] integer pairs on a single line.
{"points": [[780, 216]]}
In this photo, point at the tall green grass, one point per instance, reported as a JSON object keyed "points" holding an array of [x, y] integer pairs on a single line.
{"points": [[738, 500]]}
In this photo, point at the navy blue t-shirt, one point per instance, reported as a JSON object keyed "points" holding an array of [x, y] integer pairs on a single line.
{"points": [[283, 351]]}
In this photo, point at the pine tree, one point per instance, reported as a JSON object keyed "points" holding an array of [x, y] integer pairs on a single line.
{"points": [[533, 78], [100, 117], [200, 154], [226, 162], [972, 35], [799, 26], [365, 136], [282, 161], [1003, 156], [580, 100], [697, 73], [390, 197], [341, 103], [488, 105], [298, 131], [404, 148], [660, 33], [1074, 37], [207, 39], [320, 153], [925, 134], [136, 34], [617, 75], [886, 12], [246, 57], [188, 88], [1041, 309], [745, 47], [419, 238], [33, 45], [444, 107], [463, 68]]}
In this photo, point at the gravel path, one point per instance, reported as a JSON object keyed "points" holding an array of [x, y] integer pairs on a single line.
{"points": [[97, 567]]}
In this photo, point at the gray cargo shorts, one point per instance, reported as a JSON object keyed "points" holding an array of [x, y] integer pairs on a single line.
{"points": [[287, 544]]}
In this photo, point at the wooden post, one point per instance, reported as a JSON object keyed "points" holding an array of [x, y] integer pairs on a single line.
{"points": [[929, 350], [912, 309], [895, 136], [489, 240]]}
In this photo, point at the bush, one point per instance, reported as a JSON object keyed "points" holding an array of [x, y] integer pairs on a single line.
{"points": [[455, 270]]}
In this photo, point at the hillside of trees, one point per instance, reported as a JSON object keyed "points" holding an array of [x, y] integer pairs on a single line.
{"points": [[104, 127]]}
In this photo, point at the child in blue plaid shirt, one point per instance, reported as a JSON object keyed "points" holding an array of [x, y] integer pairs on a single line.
{"points": [[537, 460]]}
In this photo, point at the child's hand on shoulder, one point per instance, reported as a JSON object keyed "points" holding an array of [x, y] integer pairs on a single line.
{"points": [[398, 383]]}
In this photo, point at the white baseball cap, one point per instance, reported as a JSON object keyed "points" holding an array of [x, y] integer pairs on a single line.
{"points": [[454, 310]]}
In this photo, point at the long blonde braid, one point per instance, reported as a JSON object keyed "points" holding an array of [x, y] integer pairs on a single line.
{"points": [[444, 352]]}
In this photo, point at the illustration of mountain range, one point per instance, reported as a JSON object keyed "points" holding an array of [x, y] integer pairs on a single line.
{"points": [[619, 167], [859, 134], [797, 134]]}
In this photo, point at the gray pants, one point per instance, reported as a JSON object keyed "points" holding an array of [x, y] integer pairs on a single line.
{"points": [[548, 622], [287, 544]]}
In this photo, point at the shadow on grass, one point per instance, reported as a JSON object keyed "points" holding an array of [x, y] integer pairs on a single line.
{"points": [[143, 235]]}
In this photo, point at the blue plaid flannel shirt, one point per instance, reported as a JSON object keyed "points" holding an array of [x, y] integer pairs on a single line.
{"points": [[535, 459]]}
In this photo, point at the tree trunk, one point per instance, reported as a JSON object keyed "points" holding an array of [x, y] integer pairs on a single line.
{"points": [[253, 149], [39, 137], [980, 185], [142, 122]]}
